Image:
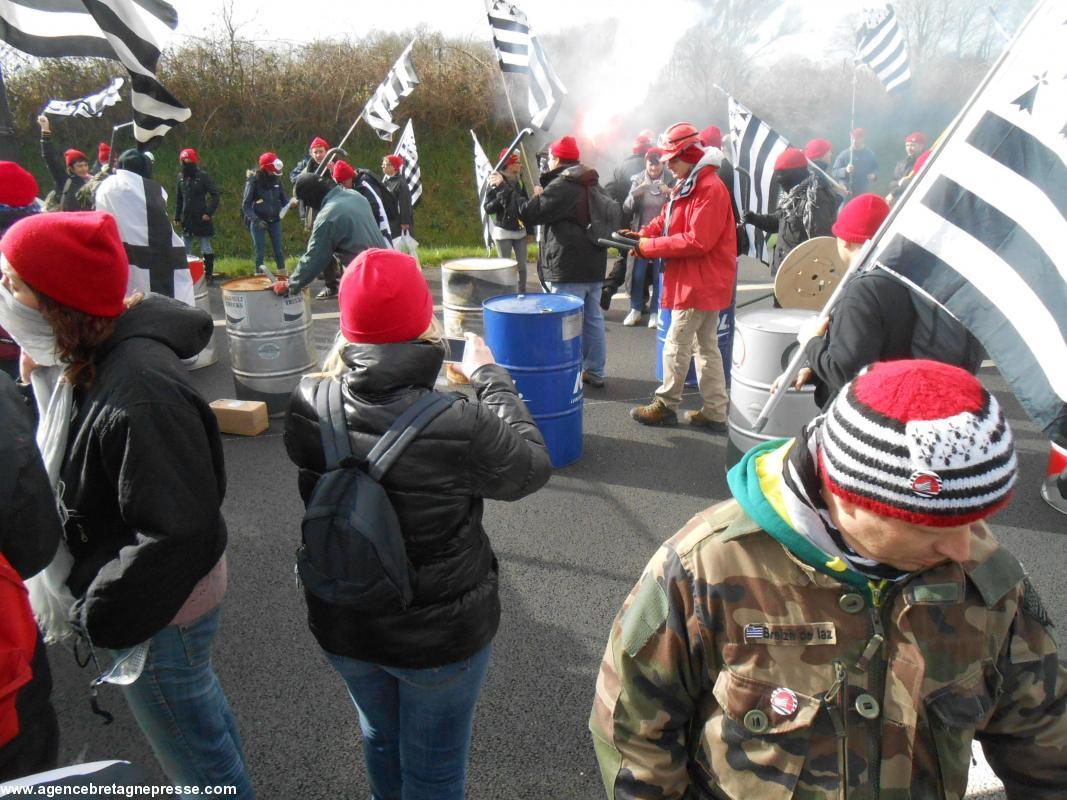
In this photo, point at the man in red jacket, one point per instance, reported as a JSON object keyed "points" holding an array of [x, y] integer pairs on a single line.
{"points": [[696, 236]]}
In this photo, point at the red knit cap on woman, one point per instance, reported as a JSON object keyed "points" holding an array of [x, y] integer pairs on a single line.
{"points": [[74, 257], [384, 298], [860, 218], [396, 161], [919, 441]]}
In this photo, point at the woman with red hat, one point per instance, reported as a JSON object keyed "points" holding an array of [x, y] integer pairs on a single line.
{"points": [[136, 454], [262, 204], [414, 671], [506, 191], [69, 175], [649, 190], [196, 201], [397, 184]]}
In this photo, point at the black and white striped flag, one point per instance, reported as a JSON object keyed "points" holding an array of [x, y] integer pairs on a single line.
{"points": [[482, 170], [756, 147], [406, 149], [546, 90], [983, 230], [400, 82], [92, 105], [511, 36], [129, 31], [880, 44]]}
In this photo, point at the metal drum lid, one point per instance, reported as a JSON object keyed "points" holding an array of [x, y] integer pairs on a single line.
{"points": [[809, 274], [478, 264], [533, 303]]}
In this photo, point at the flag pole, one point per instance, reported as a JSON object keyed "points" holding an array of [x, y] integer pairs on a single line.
{"points": [[852, 127], [785, 380], [511, 109]]}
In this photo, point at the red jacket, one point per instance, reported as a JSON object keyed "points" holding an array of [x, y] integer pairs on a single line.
{"points": [[700, 247]]}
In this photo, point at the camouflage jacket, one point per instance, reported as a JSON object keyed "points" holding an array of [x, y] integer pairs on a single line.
{"points": [[736, 671]]}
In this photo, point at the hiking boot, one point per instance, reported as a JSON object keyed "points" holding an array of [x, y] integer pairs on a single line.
{"points": [[595, 381], [698, 419], [655, 413], [632, 318], [605, 298], [326, 293]]}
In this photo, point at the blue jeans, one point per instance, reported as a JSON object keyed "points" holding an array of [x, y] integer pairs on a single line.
{"points": [[416, 724], [645, 269], [180, 706], [594, 343], [275, 231], [205, 244]]}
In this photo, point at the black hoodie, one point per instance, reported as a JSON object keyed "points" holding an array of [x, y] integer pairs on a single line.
{"points": [[144, 477]]}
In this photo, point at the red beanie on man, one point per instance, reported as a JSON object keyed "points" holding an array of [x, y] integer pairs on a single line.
{"points": [[342, 171], [641, 144], [860, 218], [512, 159], [384, 298], [189, 154], [565, 149], [395, 160], [17, 187], [318, 141], [791, 158], [268, 162], [817, 148], [711, 136], [103, 152], [916, 138], [73, 156], [74, 257]]}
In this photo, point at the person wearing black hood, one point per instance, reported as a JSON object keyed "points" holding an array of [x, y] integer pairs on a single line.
{"points": [[69, 178], [806, 206], [196, 201], [570, 262], [344, 227], [143, 567]]}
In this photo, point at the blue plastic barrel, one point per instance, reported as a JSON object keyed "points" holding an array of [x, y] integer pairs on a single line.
{"points": [[537, 338]]}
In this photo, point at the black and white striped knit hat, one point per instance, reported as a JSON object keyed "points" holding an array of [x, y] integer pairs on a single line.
{"points": [[920, 441]]}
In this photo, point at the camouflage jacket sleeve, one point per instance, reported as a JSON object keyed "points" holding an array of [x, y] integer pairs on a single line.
{"points": [[1025, 740], [650, 684]]}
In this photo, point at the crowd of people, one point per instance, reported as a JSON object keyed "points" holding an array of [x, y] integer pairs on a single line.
{"points": [[844, 624]]}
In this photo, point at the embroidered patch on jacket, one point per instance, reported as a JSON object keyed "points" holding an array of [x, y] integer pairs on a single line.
{"points": [[807, 634]]}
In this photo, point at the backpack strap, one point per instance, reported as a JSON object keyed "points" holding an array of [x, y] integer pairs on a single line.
{"points": [[332, 428], [403, 432]]}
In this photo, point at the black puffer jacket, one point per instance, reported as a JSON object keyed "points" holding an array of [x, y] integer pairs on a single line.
{"points": [[568, 255], [144, 477], [503, 203], [196, 196], [485, 449]]}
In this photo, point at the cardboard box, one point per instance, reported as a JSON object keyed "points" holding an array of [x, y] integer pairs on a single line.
{"points": [[246, 417]]}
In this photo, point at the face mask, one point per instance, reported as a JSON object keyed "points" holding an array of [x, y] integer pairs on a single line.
{"points": [[28, 328]]}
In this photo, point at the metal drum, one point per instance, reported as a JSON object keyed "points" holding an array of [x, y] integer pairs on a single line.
{"points": [[271, 344], [467, 283], [538, 339], [207, 356], [764, 342]]}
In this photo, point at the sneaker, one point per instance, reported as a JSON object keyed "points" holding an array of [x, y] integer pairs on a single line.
{"points": [[655, 413], [605, 298], [698, 419], [632, 318], [592, 380], [326, 294], [653, 321]]}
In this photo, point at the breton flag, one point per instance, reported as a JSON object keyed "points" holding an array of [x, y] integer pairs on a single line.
{"points": [[156, 253], [406, 149], [511, 36], [880, 44], [400, 82], [482, 170], [128, 31], [92, 105], [756, 148], [546, 91], [983, 228]]}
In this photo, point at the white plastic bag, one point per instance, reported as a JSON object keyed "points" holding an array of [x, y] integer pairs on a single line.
{"points": [[405, 243]]}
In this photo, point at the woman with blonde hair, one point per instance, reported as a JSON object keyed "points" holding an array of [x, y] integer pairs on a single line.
{"points": [[415, 671]]}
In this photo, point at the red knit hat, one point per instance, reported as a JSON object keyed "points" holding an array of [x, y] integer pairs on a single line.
{"points": [[268, 162], [512, 159], [342, 171], [73, 156], [565, 149], [817, 148], [711, 136], [17, 187], [641, 143], [384, 298], [858, 133], [74, 257], [917, 138], [318, 141], [791, 158], [653, 154], [189, 154], [103, 152], [395, 160], [860, 218], [920, 441]]}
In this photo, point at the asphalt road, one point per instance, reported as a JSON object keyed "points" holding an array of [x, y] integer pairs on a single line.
{"points": [[568, 556]]}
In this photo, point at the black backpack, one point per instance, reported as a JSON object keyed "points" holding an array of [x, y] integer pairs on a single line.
{"points": [[352, 550], [605, 214]]}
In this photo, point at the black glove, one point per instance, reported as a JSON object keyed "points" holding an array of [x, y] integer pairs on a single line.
{"points": [[629, 234], [749, 218]]}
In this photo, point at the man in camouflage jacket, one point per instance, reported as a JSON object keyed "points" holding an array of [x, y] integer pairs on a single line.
{"points": [[846, 624]]}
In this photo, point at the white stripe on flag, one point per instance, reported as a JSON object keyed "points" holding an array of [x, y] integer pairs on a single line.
{"points": [[546, 90]]}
